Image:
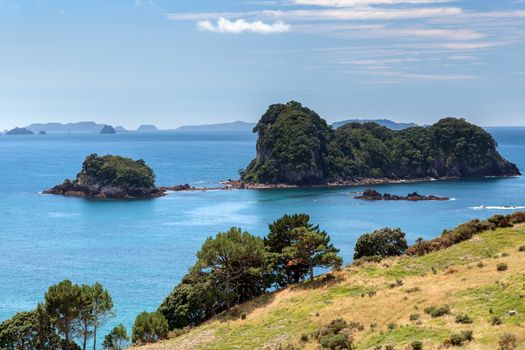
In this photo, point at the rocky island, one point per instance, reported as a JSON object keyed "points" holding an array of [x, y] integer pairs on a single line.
{"points": [[373, 195], [20, 131], [111, 177], [108, 130], [296, 147]]}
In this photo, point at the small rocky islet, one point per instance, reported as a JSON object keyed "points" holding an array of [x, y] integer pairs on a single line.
{"points": [[373, 195], [111, 177]]}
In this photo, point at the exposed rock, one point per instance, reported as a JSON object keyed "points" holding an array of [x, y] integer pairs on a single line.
{"points": [[373, 195]]}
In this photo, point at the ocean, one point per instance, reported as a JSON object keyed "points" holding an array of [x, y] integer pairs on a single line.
{"points": [[139, 250]]}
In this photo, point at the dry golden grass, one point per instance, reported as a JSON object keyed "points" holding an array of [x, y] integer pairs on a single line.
{"points": [[451, 277]]}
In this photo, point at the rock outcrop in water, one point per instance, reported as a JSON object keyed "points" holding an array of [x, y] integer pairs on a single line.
{"points": [[373, 195], [296, 146], [111, 177]]}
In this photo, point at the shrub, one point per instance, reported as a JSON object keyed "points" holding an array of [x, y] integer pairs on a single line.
{"points": [[304, 338], [383, 242], [481, 264], [496, 320], [522, 248], [502, 267], [455, 339], [149, 327], [414, 317], [413, 290], [392, 326], [505, 255], [417, 345], [335, 335], [468, 335], [437, 311], [507, 342], [389, 347], [462, 318]]}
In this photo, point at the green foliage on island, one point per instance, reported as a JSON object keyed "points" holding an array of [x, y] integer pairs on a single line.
{"points": [[69, 312], [235, 267], [116, 171], [296, 146], [111, 176]]}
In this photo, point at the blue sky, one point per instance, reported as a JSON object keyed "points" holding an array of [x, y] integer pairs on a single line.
{"points": [[177, 62]]}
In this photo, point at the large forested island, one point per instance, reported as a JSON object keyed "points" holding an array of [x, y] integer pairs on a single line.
{"points": [[111, 177], [297, 147]]}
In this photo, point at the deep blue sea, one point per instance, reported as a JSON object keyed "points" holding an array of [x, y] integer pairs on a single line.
{"points": [[139, 250]]}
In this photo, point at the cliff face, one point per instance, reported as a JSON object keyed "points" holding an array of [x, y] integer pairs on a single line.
{"points": [[296, 146], [291, 146], [111, 177]]}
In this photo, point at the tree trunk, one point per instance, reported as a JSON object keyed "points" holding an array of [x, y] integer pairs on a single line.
{"points": [[95, 336], [311, 273], [227, 290]]}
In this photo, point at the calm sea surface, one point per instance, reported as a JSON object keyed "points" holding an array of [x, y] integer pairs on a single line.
{"points": [[139, 250]]}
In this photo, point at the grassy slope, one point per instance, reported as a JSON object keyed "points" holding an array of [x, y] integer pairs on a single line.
{"points": [[451, 276]]}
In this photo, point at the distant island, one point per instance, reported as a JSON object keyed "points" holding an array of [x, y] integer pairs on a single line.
{"points": [[392, 125], [147, 128], [373, 195], [108, 129], [296, 147], [19, 131], [111, 177], [238, 126]]}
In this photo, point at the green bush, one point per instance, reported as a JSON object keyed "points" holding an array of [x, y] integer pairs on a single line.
{"points": [[149, 327], [502, 267], [414, 317], [417, 345], [496, 321], [335, 342], [462, 318], [437, 311], [335, 335]]}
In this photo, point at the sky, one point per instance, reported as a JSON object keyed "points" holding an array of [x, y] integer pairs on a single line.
{"points": [[180, 62]]}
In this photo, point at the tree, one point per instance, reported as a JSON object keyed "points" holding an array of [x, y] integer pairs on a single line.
{"points": [[116, 339], [101, 308], [63, 303], [96, 307], [237, 261], [313, 249], [149, 327], [28, 331], [280, 237], [383, 242]]}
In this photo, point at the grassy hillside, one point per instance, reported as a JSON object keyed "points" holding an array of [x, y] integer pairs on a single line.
{"points": [[385, 297]]}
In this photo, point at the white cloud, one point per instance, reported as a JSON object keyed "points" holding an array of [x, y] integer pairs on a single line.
{"points": [[351, 3], [240, 26], [372, 13], [423, 76]]}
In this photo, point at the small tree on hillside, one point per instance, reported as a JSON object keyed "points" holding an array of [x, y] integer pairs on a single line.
{"points": [[383, 242], [117, 339], [313, 249], [102, 308], [237, 261], [280, 237], [63, 303]]}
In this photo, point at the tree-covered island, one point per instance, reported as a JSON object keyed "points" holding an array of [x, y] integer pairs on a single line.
{"points": [[296, 146], [111, 177]]}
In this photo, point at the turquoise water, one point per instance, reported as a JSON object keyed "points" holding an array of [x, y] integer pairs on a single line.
{"points": [[140, 249]]}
